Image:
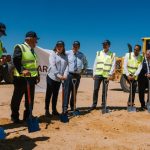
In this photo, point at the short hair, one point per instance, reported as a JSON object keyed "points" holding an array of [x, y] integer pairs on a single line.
{"points": [[138, 46]]}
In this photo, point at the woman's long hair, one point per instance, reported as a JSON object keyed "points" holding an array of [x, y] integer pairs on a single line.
{"points": [[63, 52]]}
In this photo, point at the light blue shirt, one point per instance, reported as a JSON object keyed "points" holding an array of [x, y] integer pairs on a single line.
{"points": [[58, 66], [80, 60]]}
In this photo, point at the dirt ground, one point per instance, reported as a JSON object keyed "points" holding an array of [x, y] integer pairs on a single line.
{"points": [[117, 130]]}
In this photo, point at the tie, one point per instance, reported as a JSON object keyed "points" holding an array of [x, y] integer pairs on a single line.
{"points": [[75, 63]]}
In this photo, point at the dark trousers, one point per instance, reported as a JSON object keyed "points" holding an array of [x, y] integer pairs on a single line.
{"points": [[134, 86], [20, 88], [52, 90], [142, 85], [68, 90], [97, 83]]}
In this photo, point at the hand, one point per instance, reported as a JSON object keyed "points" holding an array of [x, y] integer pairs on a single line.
{"points": [[110, 78], [26, 73], [38, 80], [94, 78], [64, 77], [148, 75], [130, 78]]}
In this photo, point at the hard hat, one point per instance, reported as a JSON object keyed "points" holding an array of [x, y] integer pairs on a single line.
{"points": [[106, 42], [60, 43], [76, 43], [32, 34]]}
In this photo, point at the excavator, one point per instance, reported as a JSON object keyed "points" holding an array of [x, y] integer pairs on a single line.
{"points": [[118, 75]]}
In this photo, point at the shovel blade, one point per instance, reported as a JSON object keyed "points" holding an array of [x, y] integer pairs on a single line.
{"points": [[2, 134], [131, 109], [76, 113], [33, 124], [64, 118], [148, 107]]}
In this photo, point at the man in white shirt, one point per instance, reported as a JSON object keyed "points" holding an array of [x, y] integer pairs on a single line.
{"points": [[103, 70], [132, 68]]}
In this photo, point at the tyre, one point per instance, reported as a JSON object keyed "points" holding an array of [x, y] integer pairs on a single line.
{"points": [[125, 85], [8, 73]]}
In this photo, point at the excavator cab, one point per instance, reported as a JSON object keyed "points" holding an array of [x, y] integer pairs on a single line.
{"points": [[146, 44]]}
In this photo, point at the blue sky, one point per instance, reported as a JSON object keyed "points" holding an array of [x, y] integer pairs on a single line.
{"points": [[89, 21]]}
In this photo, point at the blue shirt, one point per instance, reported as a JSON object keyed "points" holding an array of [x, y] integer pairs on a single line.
{"points": [[58, 66], [80, 60]]}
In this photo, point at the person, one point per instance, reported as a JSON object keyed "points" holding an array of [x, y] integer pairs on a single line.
{"points": [[57, 72], [143, 79], [103, 70], [132, 67], [77, 64], [25, 62], [2, 33]]}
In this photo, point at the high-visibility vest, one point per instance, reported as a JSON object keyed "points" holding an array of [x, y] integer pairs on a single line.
{"points": [[1, 49], [104, 64], [29, 61], [133, 64]]}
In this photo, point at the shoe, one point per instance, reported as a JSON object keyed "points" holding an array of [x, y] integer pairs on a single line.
{"points": [[92, 108], [47, 114], [55, 113], [16, 121]]}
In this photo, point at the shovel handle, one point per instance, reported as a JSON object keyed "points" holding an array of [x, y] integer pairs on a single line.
{"points": [[74, 81]]}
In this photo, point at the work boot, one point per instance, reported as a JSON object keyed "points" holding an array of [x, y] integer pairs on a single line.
{"points": [[47, 113], [92, 107], [16, 120], [55, 113]]}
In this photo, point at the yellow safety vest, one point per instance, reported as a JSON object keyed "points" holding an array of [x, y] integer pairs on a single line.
{"points": [[133, 64], [1, 49], [104, 64], [29, 61]]}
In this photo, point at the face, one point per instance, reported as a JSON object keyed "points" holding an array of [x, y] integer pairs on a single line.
{"points": [[59, 48], [76, 48], [148, 54], [136, 50], [106, 46], [32, 42]]}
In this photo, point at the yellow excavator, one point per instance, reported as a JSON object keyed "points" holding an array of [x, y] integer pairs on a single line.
{"points": [[119, 65]]}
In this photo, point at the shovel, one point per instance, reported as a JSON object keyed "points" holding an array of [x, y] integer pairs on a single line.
{"points": [[63, 117], [148, 103], [2, 133], [104, 109], [131, 108], [32, 122], [75, 111]]}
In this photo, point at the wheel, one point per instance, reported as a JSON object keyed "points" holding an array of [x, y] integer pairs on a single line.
{"points": [[8, 73], [125, 85]]}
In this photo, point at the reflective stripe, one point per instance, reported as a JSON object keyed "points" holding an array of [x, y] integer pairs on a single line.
{"points": [[32, 69], [27, 61], [100, 62], [107, 64], [132, 67]]}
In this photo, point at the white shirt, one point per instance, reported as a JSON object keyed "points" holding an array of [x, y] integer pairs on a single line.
{"points": [[105, 55], [126, 64], [58, 66]]}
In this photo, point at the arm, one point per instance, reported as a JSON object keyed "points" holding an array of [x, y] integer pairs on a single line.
{"points": [[138, 70], [17, 57], [85, 63], [113, 65], [53, 65], [125, 65], [94, 67]]}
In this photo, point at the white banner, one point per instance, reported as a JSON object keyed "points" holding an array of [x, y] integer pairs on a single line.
{"points": [[43, 63]]}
